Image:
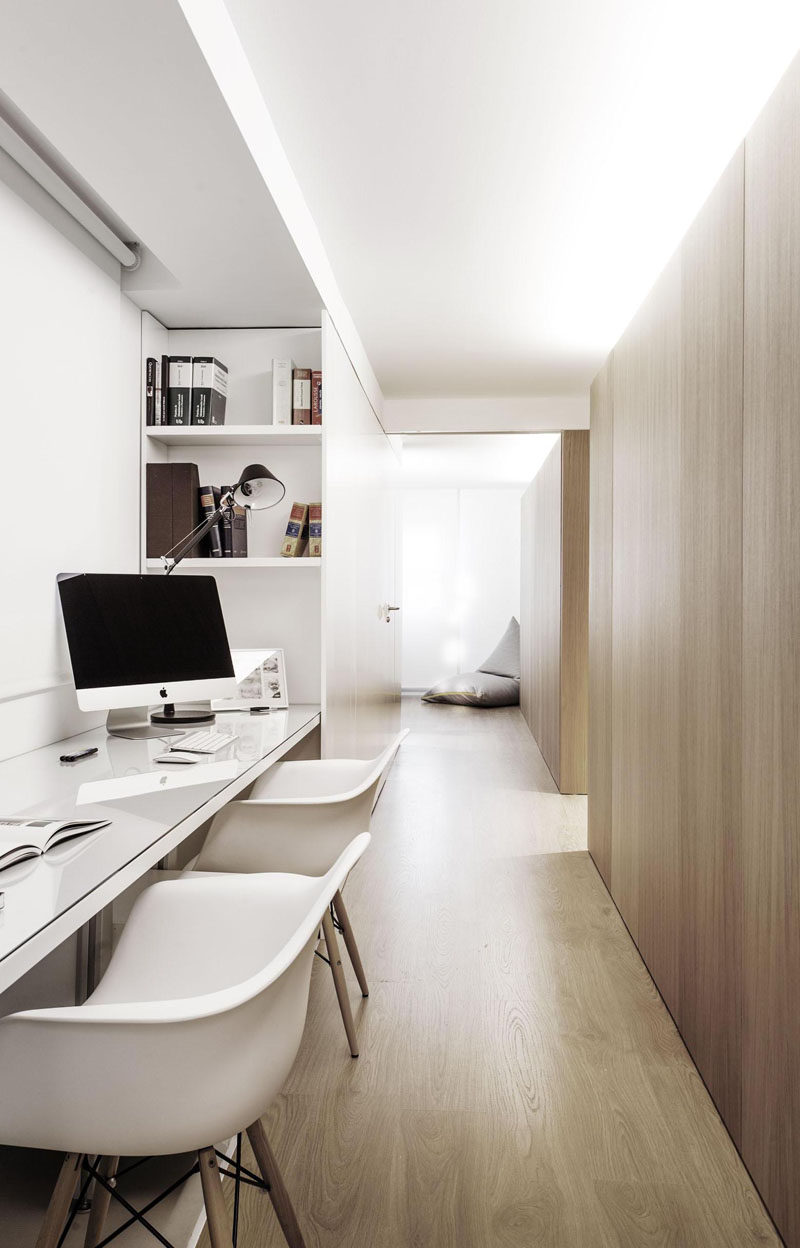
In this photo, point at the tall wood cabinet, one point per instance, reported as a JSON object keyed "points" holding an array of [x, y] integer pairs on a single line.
{"points": [[696, 438], [554, 616]]}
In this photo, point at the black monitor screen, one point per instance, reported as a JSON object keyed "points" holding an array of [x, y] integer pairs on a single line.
{"points": [[140, 630]]}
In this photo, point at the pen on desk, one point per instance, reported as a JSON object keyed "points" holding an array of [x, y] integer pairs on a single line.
{"points": [[73, 758]]}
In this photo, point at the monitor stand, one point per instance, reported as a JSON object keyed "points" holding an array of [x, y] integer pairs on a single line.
{"points": [[133, 723], [189, 713]]}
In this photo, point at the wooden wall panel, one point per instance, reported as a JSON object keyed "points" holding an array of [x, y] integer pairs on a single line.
{"points": [[771, 659], [600, 586], [711, 641], [554, 609], [540, 623], [705, 667], [645, 860], [574, 610]]}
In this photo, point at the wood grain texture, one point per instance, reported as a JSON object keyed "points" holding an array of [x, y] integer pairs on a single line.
{"points": [[572, 776], [710, 1002], [520, 1081], [645, 867], [771, 658], [600, 617], [540, 623]]}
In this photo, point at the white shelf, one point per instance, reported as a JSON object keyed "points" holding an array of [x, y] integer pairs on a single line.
{"points": [[272, 561], [235, 435]]}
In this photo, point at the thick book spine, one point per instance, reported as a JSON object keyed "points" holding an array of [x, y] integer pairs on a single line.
{"points": [[315, 530], [282, 392], [226, 526], [150, 373], [239, 533], [301, 396], [179, 402], [316, 397], [163, 392], [172, 506], [209, 502], [209, 391], [185, 502], [159, 510], [296, 539]]}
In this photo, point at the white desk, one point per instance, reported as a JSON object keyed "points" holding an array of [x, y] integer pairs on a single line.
{"points": [[152, 809]]}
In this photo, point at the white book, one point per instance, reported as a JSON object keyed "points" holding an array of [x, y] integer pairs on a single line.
{"points": [[29, 838], [282, 391]]}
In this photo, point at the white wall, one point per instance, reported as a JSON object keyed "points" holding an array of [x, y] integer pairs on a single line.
{"points": [[361, 688], [70, 449], [461, 577]]}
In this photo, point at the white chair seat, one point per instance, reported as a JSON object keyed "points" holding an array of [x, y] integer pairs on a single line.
{"points": [[181, 1045]]}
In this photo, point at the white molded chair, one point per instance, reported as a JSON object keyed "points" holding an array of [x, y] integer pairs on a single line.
{"points": [[180, 1046], [298, 818]]}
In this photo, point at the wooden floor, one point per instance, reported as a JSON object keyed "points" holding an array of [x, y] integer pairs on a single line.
{"points": [[520, 1082]]}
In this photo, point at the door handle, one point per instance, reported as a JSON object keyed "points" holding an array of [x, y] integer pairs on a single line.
{"points": [[392, 608]]}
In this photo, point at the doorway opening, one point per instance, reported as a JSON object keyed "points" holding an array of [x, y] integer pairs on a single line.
{"points": [[460, 523]]}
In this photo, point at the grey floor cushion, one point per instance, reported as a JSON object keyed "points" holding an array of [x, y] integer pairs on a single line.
{"points": [[496, 682], [475, 689], [504, 659]]}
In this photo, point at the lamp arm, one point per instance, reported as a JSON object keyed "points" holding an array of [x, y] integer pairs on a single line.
{"points": [[188, 543]]}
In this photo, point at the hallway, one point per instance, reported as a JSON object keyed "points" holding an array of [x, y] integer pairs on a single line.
{"points": [[520, 1081]]}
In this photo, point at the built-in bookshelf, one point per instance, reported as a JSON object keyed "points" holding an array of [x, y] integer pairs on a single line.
{"points": [[272, 600], [241, 565], [235, 435]]}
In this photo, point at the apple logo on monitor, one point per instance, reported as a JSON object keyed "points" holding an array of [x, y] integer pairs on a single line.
{"points": [[162, 693]]}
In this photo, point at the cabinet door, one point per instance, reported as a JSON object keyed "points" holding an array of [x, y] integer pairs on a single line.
{"points": [[711, 642], [771, 658], [645, 859], [600, 602]]}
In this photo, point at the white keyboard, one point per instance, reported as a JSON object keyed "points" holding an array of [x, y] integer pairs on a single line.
{"points": [[203, 742]]}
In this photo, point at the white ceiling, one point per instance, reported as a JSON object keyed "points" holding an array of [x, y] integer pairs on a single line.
{"points": [[118, 96], [498, 185]]}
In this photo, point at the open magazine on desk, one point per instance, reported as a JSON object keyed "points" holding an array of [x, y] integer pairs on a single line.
{"points": [[29, 838]]}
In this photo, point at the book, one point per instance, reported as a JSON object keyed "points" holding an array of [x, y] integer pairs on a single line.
{"points": [[179, 395], [301, 396], [296, 539], [315, 530], [163, 392], [29, 838], [282, 392], [172, 506], [150, 372], [316, 397], [234, 530], [209, 502], [209, 391]]}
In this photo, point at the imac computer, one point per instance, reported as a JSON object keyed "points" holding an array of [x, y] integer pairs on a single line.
{"points": [[135, 641]]}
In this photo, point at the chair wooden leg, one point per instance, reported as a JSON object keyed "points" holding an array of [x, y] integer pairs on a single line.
{"points": [[329, 931], [277, 1190], [58, 1208], [217, 1220], [101, 1199], [350, 943]]}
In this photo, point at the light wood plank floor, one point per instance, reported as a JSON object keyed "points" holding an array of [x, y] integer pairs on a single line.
{"points": [[520, 1081]]}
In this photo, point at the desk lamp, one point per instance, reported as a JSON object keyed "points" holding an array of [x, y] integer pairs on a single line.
{"points": [[256, 489]]}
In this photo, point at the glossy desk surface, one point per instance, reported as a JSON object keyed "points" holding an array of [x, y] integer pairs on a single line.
{"points": [[152, 808]]}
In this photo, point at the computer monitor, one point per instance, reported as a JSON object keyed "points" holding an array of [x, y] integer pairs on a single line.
{"points": [[135, 641]]}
